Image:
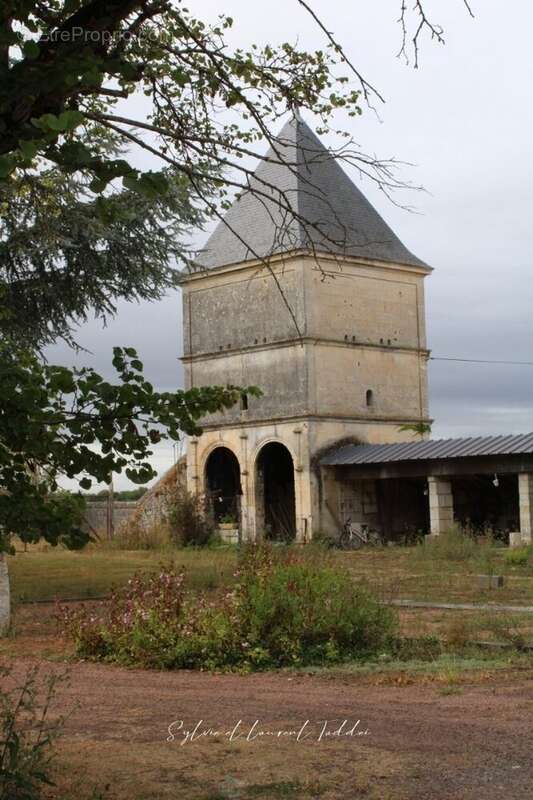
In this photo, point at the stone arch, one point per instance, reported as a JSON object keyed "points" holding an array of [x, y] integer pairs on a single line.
{"points": [[275, 491], [222, 483]]}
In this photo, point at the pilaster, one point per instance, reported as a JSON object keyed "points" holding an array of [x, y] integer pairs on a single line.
{"points": [[525, 496], [440, 505]]}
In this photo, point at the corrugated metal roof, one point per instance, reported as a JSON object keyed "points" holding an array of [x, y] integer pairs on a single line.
{"points": [[430, 449]]}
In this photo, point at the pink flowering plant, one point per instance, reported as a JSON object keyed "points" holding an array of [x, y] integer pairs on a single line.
{"points": [[282, 611]]}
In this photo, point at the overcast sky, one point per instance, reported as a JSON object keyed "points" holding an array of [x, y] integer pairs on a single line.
{"points": [[465, 119]]}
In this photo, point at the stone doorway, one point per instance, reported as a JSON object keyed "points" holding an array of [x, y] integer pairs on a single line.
{"points": [[275, 493], [223, 486]]}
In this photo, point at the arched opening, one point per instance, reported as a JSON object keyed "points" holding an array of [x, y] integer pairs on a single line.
{"points": [[369, 397], [223, 485], [275, 494]]}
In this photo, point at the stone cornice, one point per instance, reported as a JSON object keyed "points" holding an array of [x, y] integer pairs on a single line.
{"points": [[320, 259], [258, 423], [299, 341]]}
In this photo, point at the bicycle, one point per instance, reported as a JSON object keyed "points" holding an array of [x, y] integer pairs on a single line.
{"points": [[356, 535]]}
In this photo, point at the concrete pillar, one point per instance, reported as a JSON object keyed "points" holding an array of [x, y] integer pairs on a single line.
{"points": [[440, 505], [4, 596], [247, 504], [194, 486], [525, 499]]}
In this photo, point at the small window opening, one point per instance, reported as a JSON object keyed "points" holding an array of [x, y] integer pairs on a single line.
{"points": [[244, 402], [369, 397]]}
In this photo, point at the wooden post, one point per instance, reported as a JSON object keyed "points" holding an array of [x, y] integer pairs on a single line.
{"points": [[110, 509], [4, 596]]}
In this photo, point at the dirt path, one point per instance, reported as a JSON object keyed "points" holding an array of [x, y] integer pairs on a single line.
{"points": [[420, 744]]}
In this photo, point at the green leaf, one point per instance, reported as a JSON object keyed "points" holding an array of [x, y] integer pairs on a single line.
{"points": [[149, 184], [98, 185], [29, 149], [7, 165], [66, 121], [31, 49], [46, 122], [69, 120], [75, 154], [130, 182], [70, 5]]}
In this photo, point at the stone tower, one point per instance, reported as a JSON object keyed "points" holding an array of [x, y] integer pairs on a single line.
{"points": [[324, 311]]}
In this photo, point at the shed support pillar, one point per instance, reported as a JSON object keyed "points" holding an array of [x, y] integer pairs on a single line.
{"points": [[440, 505], [525, 496]]}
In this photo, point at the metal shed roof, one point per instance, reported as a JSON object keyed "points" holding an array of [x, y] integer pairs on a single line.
{"points": [[430, 449]]}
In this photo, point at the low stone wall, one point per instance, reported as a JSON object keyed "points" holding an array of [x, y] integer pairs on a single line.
{"points": [[152, 508], [147, 512]]}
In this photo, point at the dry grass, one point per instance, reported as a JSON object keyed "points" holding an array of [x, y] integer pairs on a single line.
{"points": [[441, 573], [60, 574]]}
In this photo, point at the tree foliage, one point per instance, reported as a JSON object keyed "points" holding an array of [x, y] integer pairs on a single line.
{"points": [[65, 254], [56, 422]]}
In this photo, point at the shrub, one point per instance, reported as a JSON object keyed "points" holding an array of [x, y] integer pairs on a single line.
{"points": [[518, 557], [507, 628], [454, 545], [417, 648], [460, 630], [136, 621], [299, 612], [26, 738], [134, 536], [282, 611], [189, 523], [183, 523]]}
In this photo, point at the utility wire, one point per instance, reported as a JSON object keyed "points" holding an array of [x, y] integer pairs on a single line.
{"points": [[482, 361]]}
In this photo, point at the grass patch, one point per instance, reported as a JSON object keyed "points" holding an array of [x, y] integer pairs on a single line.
{"points": [[287, 789], [291, 790], [453, 546], [518, 557], [62, 574], [415, 573], [447, 669]]}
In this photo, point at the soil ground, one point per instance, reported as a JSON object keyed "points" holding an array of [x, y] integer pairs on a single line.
{"points": [[451, 729], [472, 743]]}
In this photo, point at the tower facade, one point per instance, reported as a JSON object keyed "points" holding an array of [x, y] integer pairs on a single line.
{"points": [[325, 314]]}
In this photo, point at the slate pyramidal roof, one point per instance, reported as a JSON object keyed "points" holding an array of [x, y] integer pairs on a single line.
{"points": [[330, 214]]}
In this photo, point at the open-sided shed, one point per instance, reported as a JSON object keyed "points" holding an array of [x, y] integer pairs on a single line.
{"points": [[484, 482]]}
